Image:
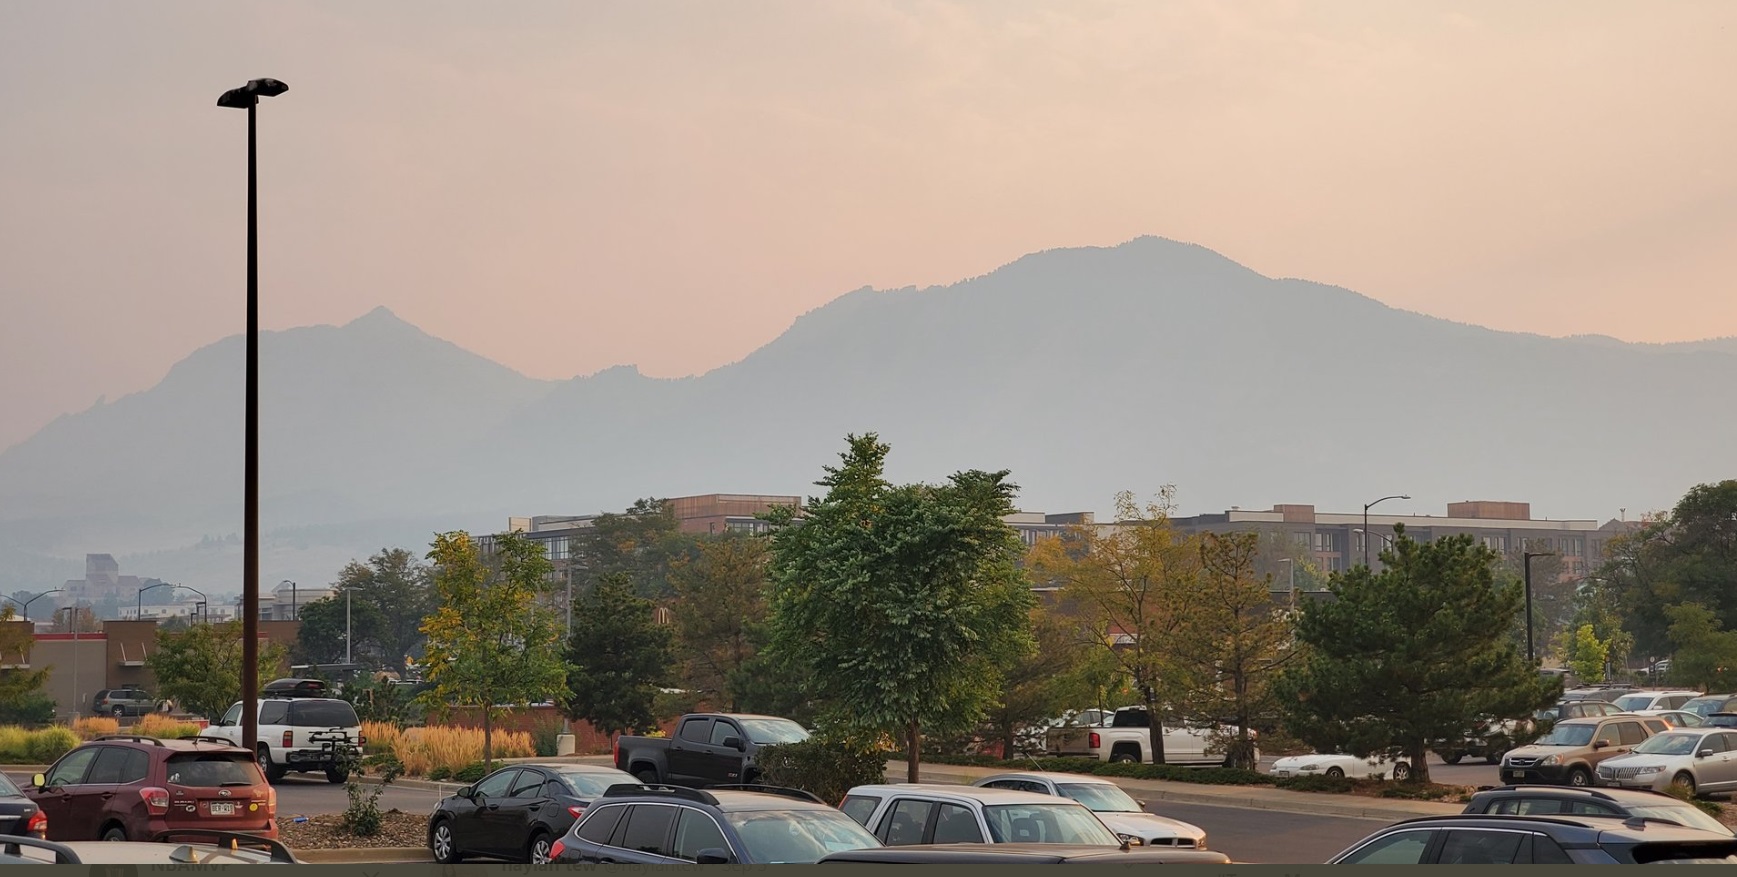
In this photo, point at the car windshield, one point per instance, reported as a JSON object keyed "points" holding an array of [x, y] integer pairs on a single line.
{"points": [[768, 732], [1046, 824], [593, 783], [1704, 706], [797, 837], [1100, 797], [212, 769], [1568, 735], [1669, 744], [1631, 702], [1680, 813], [7, 787]]}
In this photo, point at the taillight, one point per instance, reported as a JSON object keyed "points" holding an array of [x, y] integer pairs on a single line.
{"points": [[361, 740], [615, 752], [1095, 741], [556, 849], [37, 826], [576, 811], [289, 739], [156, 800], [271, 802]]}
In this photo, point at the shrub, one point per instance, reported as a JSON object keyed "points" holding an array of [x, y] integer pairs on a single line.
{"points": [[1708, 807], [826, 768], [362, 818], [32, 710], [14, 745], [92, 727], [470, 773], [1431, 792], [544, 736], [1331, 785], [421, 750], [160, 725], [381, 737], [439, 773], [48, 744]]}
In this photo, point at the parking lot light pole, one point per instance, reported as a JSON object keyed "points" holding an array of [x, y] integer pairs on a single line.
{"points": [[1366, 507], [1526, 561]]}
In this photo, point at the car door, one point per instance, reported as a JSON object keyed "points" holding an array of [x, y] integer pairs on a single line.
{"points": [[55, 797], [1718, 772], [480, 832], [955, 824], [644, 836], [596, 830], [513, 818], [1407, 846], [723, 764], [95, 796], [906, 822], [686, 753], [1182, 743], [1482, 846]]}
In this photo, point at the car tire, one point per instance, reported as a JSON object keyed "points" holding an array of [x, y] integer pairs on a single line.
{"points": [[337, 775], [1401, 771], [1337, 773], [273, 771], [537, 851], [1685, 781], [647, 775], [1495, 757], [1124, 757], [1452, 758], [1579, 777], [443, 845], [114, 833], [120, 712]]}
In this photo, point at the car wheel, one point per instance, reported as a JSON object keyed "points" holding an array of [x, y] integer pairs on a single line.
{"points": [[442, 844], [336, 775], [1452, 758], [647, 776], [114, 833], [538, 852], [1336, 772], [1124, 758], [120, 712], [1579, 777], [1684, 781], [1495, 757], [1401, 771], [272, 771]]}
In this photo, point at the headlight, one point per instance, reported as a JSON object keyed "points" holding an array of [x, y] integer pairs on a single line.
{"points": [[1200, 843], [1651, 768], [1550, 759], [1131, 840]]}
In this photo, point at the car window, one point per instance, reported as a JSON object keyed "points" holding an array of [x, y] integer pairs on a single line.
{"points": [[138, 767], [1589, 808], [273, 712], [956, 825], [233, 716], [1477, 847], [1398, 848], [70, 769], [211, 770], [906, 821], [529, 785], [1657, 726], [497, 784], [722, 730], [1546, 851], [322, 714], [1066, 823], [1605, 709], [796, 836], [1674, 701], [696, 730], [648, 829], [695, 831], [600, 823], [1630, 733], [859, 807], [106, 769]]}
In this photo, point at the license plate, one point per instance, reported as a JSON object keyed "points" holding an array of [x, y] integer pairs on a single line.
{"points": [[1513, 774], [223, 808], [1283, 773]]}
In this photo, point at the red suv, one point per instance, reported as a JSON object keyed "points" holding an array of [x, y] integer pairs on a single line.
{"points": [[123, 787]]}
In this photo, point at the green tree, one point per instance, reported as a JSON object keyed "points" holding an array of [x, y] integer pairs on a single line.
{"points": [[1234, 642], [619, 656], [1043, 685], [1587, 654], [908, 602], [199, 668], [720, 613], [1411, 655], [19, 686], [394, 587], [1138, 583], [492, 644], [644, 543], [1688, 555], [320, 638], [1706, 654]]}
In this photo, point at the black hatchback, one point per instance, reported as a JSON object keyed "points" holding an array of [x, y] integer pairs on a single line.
{"points": [[517, 812]]}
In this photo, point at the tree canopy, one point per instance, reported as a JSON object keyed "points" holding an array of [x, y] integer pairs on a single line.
{"points": [[199, 667], [619, 657]]}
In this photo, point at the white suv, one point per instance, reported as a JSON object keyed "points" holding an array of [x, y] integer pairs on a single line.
{"points": [[301, 734], [905, 814]]}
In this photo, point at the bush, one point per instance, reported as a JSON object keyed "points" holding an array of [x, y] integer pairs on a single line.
{"points": [[14, 745], [1331, 785], [92, 727], [1431, 792], [32, 710], [48, 744], [421, 750], [381, 737], [362, 818], [1708, 807], [160, 725], [544, 736], [440, 773], [470, 773], [825, 768]]}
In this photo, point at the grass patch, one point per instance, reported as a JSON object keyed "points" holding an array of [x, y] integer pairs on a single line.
{"points": [[422, 750]]}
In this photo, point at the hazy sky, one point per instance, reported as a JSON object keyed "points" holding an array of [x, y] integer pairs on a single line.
{"points": [[563, 186]]}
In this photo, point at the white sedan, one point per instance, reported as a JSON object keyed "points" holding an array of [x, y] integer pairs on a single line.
{"points": [[1317, 765], [1113, 806]]}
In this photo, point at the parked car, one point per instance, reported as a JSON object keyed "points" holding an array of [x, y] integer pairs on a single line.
{"points": [[1709, 704], [1676, 718], [517, 812], [916, 813], [1537, 840], [123, 702], [1336, 765], [169, 848], [1128, 738], [299, 730], [1607, 692], [672, 825], [1025, 854], [1659, 699], [1572, 750], [1559, 801], [19, 814], [128, 787], [707, 749], [1699, 760], [1115, 808]]}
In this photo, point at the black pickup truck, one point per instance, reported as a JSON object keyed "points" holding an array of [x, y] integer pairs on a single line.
{"points": [[707, 749]]}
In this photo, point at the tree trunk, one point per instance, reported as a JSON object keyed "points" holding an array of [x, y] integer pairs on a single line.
{"points": [[1419, 759], [488, 741], [1156, 735], [1007, 742], [913, 749]]}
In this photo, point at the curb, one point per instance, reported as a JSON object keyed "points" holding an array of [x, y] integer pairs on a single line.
{"points": [[354, 855], [1240, 797]]}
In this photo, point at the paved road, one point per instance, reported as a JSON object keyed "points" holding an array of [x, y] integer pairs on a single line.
{"points": [[310, 796], [1271, 837]]}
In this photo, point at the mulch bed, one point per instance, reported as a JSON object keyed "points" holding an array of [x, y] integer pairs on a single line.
{"points": [[326, 832]]}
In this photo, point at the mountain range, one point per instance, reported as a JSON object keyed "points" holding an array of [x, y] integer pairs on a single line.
{"points": [[1084, 371]]}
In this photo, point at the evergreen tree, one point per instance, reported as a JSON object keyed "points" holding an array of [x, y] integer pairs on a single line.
{"points": [[618, 658]]}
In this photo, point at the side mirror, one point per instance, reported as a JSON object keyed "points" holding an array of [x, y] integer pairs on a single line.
{"points": [[1705, 753], [734, 743], [1600, 744], [466, 792], [1143, 804], [712, 856], [39, 781]]}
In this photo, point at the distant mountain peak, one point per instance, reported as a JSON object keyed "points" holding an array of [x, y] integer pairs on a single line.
{"points": [[381, 315]]}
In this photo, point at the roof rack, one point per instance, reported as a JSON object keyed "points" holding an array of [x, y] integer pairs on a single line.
{"points": [[784, 791], [623, 790], [1459, 817], [131, 738], [207, 738], [231, 839], [1596, 793]]}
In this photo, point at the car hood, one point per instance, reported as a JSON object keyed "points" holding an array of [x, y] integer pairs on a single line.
{"points": [[1647, 759], [1536, 751], [1148, 825]]}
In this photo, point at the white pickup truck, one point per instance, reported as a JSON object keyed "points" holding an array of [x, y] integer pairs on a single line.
{"points": [[1128, 737]]}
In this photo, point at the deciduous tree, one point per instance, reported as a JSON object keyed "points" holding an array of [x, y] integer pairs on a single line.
{"points": [[19, 684], [907, 601], [619, 657], [1411, 655], [1706, 654], [720, 613], [199, 668], [492, 644]]}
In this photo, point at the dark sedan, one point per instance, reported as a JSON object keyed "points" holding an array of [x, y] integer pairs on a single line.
{"points": [[517, 812], [18, 814]]}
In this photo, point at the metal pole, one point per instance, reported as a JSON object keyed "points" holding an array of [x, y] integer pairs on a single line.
{"points": [[250, 501], [347, 636], [1531, 656], [1366, 534], [77, 706], [1293, 568]]}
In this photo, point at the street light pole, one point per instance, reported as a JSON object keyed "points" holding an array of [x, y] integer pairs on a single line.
{"points": [[346, 624], [1366, 507], [247, 98], [1291, 565], [1531, 656], [294, 602], [27, 603]]}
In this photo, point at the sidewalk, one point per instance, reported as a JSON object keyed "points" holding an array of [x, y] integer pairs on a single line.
{"points": [[1241, 797]]}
